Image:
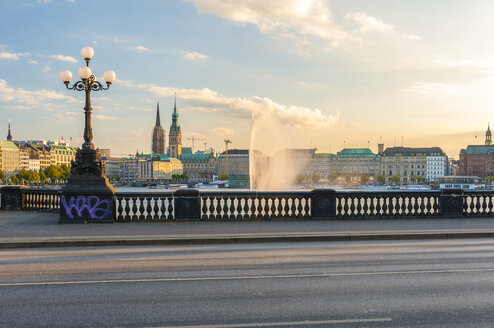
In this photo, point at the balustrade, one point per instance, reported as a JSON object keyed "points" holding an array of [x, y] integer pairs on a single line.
{"points": [[251, 205]]}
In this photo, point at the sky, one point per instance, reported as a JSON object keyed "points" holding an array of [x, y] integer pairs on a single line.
{"points": [[326, 73]]}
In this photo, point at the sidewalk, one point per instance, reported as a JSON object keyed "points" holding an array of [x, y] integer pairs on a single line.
{"points": [[37, 229]]}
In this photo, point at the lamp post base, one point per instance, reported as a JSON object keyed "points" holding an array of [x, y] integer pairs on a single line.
{"points": [[88, 196]]}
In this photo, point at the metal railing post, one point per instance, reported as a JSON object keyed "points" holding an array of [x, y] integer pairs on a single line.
{"points": [[323, 204], [451, 202], [187, 203], [12, 197]]}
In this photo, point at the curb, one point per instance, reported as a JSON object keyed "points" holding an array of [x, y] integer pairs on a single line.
{"points": [[39, 242]]}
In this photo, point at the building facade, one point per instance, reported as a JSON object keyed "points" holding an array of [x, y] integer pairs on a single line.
{"points": [[175, 135], [130, 168], [158, 142], [238, 162], [10, 161], [356, 162], [62, 155], [477, 161], [39, 152], [409, 164], [322, 164], [199, 166], [160, 169]]}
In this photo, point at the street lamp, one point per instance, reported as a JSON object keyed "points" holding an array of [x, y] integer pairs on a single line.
{"points": [[84, 197]]}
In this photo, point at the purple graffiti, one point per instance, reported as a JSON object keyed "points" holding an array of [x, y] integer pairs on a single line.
{"points": [[96, 208]]}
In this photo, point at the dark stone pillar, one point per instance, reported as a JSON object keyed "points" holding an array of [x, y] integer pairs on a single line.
{"points": [[187, 204], [12, 197], [88, 197], [323, 204], [86, 207], [451, 202]]}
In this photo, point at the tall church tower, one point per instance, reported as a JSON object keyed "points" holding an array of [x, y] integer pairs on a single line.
{"points": [[9, 136], [158, 145], [175, 135], [488, 136]]}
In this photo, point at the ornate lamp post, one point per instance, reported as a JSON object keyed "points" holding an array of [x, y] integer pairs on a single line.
{"points": [[88, 195]]}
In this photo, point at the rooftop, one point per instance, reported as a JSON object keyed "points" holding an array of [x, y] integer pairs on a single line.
{"points": [[7, 144], [478, 149], [409, 151], [356, 152]]}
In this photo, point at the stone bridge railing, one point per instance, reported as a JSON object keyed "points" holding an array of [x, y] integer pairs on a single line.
{"points": [[251, 205]]}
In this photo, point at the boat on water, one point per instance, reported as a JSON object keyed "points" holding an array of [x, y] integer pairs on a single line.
{"points": [[415, 187]]}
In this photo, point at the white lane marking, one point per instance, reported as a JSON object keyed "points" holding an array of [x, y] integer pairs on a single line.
{"points": [[288, 276], [281, 324]]}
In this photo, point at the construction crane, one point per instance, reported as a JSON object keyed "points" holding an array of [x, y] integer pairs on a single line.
{"points": [[194, 139], [227, 141]]}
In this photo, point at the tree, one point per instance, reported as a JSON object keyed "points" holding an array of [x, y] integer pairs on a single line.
{"points": [[419, 179], [53, 172], [42, 176], [395, 179], [222, 177], [381, 179], [348, 178], [2, 176], [65, 172], [14, 179], [489, 179], [315, 177], [364, 178], [332, 177]]}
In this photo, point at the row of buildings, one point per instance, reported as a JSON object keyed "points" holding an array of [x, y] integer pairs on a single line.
{"points": [[33, 154]]}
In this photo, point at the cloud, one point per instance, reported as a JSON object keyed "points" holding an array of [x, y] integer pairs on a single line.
{"points": [[141, 49], [13, 55], [32, 61], [27, 97], [280, 17], [298, 20], [45, 69], [243, 108], [369, 23], [194, 55], [427, 88], [64, 58]]}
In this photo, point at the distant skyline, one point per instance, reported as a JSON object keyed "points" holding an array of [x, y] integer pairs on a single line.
{"points": [[332, 73]]}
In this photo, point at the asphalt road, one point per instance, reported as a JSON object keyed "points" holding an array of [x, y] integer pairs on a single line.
{"points": [[448, 283]]}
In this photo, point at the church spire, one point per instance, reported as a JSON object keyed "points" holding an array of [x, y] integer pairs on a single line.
{"points": [[158, 121], [9, 136], [488, 135]]}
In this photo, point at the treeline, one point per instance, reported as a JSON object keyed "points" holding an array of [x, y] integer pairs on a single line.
{"points": [[52, 173]]}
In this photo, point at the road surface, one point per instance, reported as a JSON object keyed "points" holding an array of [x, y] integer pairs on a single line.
{"points": [[447, 283]]}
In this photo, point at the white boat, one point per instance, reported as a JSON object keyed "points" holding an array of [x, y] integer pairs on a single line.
{"points": [[415, 187]]}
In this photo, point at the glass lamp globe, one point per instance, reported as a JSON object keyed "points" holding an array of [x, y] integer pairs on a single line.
{"points": [[109, 76], [84, 72], [87, 52], [65, 76]]}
